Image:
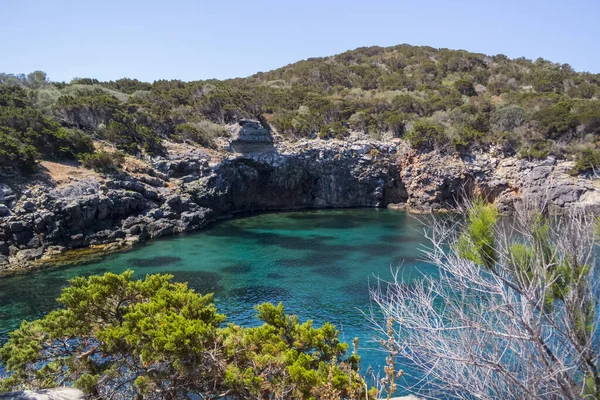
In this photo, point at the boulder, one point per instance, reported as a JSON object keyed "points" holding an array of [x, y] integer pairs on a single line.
{"points": [[160, 228], [29, 206], [6, 194], [4, 211], [30, 254], [251, 136]]}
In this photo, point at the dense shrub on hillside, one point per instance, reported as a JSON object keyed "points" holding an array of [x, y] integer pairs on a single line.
{"points": [[426, 135], [127, 85], [33, 80], [116, 336], [506, 119], [588, 113], [588, 159], [103, 161], [536, 150], [103, 114], [15, 152], [556, 120], [26, 134], [87, 109], [465, 87]]}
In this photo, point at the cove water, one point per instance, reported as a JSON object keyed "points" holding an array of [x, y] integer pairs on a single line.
{"points": [[318, 263]]}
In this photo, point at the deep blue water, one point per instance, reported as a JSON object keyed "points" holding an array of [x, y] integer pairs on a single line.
{"points": [[318, 263]]}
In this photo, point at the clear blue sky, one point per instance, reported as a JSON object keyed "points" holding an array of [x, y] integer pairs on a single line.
{"points": [[193, 40]]}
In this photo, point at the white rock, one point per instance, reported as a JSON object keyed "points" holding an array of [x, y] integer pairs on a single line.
{"points": [[47, 394]]}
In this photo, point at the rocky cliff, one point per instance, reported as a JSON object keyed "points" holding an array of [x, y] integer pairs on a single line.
{"points": [[40, 219]]}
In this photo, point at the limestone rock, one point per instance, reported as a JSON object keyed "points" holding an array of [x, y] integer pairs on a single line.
{"points": [[46, 394], [357, 172], [250, 137]]}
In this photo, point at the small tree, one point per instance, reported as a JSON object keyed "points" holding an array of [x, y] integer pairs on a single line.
{"points": [[512, 313], [465, 87], [426, 135], [116, 337]]}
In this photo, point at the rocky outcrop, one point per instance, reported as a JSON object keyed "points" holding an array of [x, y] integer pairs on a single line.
{"points": [[435, 182], [358, 174], [183, 192], [251, 137], [91, 213]]}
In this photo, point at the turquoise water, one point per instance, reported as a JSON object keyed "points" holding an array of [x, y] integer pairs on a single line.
{"points": [[318, 263]]}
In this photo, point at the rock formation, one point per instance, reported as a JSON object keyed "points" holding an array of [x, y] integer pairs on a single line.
{"points": [[183, 191]]}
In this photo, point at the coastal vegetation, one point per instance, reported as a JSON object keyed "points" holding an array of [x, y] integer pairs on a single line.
{"points": [[449, 100], [150, 338], [511, 314]]}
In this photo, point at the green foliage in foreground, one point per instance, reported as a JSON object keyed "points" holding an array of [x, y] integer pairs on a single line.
{"points": [[155, 339]]}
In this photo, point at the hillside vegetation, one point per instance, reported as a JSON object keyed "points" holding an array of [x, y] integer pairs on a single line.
{"points": [[436, 99]]}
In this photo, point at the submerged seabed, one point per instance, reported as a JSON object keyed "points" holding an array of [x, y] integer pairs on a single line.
{"points": [[318, 263]]}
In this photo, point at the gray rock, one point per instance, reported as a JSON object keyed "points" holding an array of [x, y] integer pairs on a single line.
{"points": [[6, 193], [16, 226], [152, 180], [131, 221], [160, 228], [189, 178], [4, 211], [76, 189], [156, 213], [251, 137], [30, 254], [46, 394], [28, 206]]}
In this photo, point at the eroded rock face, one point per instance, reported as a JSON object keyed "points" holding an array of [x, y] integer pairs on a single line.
{"points": [[434, 181], [183, 192], [304, 176]]}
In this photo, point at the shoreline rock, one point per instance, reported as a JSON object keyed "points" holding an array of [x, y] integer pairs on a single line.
{"points": [[40, 222]]}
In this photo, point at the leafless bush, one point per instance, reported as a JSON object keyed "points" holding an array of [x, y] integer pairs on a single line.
{"points": [[512, 313]]}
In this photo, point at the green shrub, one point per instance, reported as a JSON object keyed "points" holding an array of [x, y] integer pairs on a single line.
{"points": [[465, 87], [103, 161], [588, 113], [155, 339], [87, 109], [426, 135], [588, 159], [537, 150], [466, 138], [506, 119], [556, 120], [15, 152], [30, 134], [396, 123], [584, 90]]}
